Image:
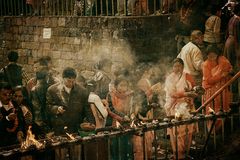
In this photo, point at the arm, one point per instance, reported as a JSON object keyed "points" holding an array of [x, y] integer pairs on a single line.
{"points": [[36, 106], [224, 64], [207, 76], [111, 108], [52, 103], [25, 77], [88, 114], [170, 87], [197, 59], [217, 26]]}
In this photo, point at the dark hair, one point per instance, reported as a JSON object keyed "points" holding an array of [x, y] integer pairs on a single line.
{"points": [[119, 79], [178, 60], [195, 34], [41, 74], [13, 56], [5, 85], [43, 61], [69, 73], [47, 58], [212, 48], [237, 9], [104, 62], [215, 8]]}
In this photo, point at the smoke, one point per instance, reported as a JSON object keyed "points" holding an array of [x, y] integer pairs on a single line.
{"points": [[90, 48]]}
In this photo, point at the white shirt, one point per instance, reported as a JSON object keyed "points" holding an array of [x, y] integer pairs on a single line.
{"points": [[192, 58]]}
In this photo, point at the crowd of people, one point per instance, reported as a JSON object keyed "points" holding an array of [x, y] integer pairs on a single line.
{"points": [[56, 103]]}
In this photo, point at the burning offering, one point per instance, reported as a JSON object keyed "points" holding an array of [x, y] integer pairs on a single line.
{"points": [[31, 141]]}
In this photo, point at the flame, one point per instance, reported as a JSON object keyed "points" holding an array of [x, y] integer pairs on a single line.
{"points": [[133, 125], [118, 125], [177, 115], [70, 136], [211, 110], [31, 141]]}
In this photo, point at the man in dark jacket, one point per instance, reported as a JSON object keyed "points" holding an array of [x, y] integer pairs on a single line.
{"points": [[67, 103], [13, 73], [67, 106]]}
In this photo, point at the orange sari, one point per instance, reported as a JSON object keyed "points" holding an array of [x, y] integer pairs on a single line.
{"points": [[213, 81]]}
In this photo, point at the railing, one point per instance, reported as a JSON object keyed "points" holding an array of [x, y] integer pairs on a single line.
{"points": [[235, 77], [87, 7], [108, 134], [64, 143]]}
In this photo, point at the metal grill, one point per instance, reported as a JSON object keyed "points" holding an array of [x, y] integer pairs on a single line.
{"points": [[87, 7]]}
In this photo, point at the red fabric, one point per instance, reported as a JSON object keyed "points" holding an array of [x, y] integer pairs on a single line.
{"points": [[121, 101], [213, 81]]}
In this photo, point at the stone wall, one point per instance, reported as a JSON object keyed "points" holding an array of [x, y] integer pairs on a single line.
{"points": [[81, 41]]}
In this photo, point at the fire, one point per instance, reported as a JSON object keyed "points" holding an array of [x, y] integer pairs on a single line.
{"points": [[118, 125], [31, 141], [177, 115], [133, 125], [70, 136], [211, 111]]}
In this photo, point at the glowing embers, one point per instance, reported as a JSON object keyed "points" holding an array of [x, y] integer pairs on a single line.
{"points": [[31, 141]]}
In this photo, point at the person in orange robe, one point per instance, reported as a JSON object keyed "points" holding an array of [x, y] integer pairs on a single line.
{"points": [[216, 70], [179, 103], [120, 98]]}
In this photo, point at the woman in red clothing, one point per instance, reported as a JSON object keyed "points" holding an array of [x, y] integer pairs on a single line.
{"points": [[216, 71]]}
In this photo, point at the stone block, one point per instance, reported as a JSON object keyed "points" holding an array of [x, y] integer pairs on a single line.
{"points": [[56, 46], [82, 22], [67, 55], [19, 21], [61, 22], [46, 21], [15, 29], [56, 54], [45, 46], [36, 38], [77, 40], [71, 22], [53, 22], [67, 47]]}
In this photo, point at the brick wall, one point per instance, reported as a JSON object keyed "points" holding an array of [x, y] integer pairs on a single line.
{"points": [[81, 41]]}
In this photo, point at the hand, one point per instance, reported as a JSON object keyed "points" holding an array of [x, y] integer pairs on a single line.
{"points": [[12, 116], [105, 102], [133, 116], [224, 74], [154, 105], [60, 110], [126, 119], [87, 126], [20, 136]]}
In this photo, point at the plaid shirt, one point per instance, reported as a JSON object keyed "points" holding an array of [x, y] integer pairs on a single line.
{"points": [[25, 77]]}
